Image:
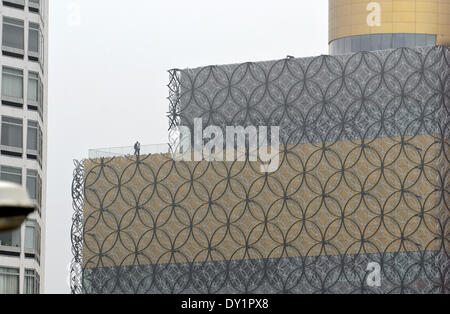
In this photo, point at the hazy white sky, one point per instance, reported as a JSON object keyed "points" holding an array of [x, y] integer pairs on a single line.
{"points": [[108, 76]]}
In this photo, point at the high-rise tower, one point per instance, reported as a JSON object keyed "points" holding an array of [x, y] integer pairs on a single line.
{"points": [[23, 133], [365, 25]]}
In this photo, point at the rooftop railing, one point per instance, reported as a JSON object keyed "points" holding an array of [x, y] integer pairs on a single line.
{"points": [[128, 151]]}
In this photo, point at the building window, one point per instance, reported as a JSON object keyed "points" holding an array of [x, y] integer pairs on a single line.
{"points": [[372, 42], [33, 90], [39, 196], [32, 140], [40, 147], [11, 174], [12, 136], [32, 184], [32, 240], [31, 282], [34, 6], [34, 187], [34, 38], [42, 57], [9, 280], [13, 37], [10, 239], [19, 4], [35, 95], [12, 87], [41, 99]]}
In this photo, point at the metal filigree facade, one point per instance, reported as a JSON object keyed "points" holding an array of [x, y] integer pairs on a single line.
{"points": [[363, 178]]}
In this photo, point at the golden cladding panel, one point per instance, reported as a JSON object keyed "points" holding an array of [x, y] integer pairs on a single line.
{"points": [[307, 204], [349, 18]]}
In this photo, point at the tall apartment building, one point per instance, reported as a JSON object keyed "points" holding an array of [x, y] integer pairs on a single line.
{"points": [[23, 133]]}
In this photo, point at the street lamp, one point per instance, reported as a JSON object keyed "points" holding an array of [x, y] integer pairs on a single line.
{"points": [[15, 206]]}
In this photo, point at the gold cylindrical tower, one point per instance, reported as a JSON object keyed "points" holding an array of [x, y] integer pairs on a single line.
{"points": [[365, 25]]}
